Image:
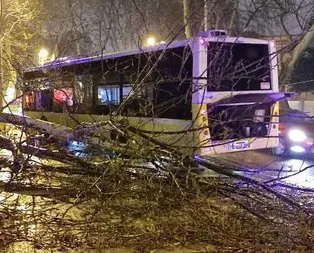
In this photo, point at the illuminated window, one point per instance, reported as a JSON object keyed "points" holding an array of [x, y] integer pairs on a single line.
{"points": [[109, 95], [64, 95], [29, 100], [127, 91]]}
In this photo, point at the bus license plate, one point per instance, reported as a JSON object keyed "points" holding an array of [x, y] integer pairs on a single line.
{"points": [[239, 145]]}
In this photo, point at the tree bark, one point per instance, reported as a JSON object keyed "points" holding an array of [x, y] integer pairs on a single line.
{"points": [[232, 23], [186, 17], [289, 64]]}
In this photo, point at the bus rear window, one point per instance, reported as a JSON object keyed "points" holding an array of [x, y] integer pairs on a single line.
{"points": [[238, 67]]}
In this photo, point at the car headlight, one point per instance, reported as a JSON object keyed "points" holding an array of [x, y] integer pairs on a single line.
{"points": [[296, 135], [297, 149]]}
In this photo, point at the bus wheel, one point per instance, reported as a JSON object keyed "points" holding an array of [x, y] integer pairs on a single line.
{"points": [[280, 150]]}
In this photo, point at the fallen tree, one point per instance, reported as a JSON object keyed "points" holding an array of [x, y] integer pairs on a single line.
{"points": [[148, 200]]}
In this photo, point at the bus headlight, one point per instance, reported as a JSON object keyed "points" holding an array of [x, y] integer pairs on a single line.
{"points": [[296, 135]]}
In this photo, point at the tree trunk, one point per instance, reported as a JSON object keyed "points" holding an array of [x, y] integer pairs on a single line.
{"points": [[186, 16], [232, 23], [1, 74], [289, 64], [206, 15]]}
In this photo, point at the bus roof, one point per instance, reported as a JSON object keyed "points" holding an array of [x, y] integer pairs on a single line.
{"points": [[68, 61]]}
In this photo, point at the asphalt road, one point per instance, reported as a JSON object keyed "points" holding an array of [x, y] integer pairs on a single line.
{"points": [[262, 165]]}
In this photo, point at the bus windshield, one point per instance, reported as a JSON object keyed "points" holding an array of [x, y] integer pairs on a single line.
{"points": [[238, 67]]}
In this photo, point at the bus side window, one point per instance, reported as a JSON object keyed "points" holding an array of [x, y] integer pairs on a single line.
{"points": [[136, 101], [44, 100], [173, 100], [83, 93], [106, 98], [63, 100], [108, 95], [127, 91], [129, 105], [29, 101]]}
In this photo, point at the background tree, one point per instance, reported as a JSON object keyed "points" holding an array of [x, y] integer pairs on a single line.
{"points": [[108, 26], [302, 78], [19, 23], [292, 19], [294, 57]]}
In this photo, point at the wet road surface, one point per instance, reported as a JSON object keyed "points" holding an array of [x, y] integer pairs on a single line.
{"points": [[261, 165]]}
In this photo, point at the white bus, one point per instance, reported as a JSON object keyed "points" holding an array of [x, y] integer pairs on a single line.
{"points": [[206, 95]]}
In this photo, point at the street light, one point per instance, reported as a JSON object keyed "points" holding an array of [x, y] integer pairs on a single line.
{"points": [[42, 56], [151, 41]]}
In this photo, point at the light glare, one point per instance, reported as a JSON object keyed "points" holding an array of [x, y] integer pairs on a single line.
{"points": [[10, 94], [296, 135], [43, 53], [5, 175], [297, 149], [151, 41], [43, 56]]}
